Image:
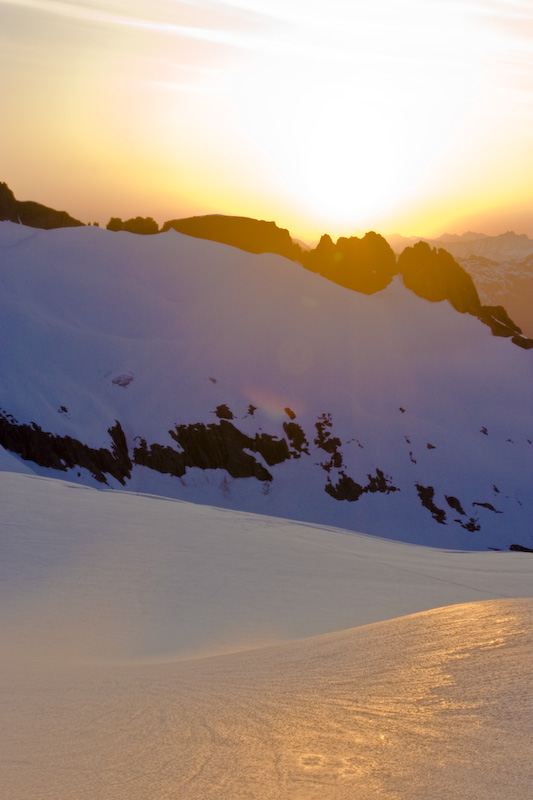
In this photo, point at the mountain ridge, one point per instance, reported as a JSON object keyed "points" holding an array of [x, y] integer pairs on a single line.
{"points": [[198, 371], [365, 264], [28, 212]]}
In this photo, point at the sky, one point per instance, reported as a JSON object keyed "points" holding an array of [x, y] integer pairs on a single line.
{"points": [[323, 115]]}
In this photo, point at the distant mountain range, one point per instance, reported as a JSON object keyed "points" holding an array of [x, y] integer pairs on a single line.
{"points": [[508, 246]]}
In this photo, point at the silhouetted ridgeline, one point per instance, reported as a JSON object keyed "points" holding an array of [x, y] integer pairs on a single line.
{"points": [[32, 214], [143, 225], [252, 235], [364, 265], [435, 275]]}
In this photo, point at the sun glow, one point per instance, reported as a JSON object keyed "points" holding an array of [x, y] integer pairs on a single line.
{"points": [[354, 130], [340, 117]]}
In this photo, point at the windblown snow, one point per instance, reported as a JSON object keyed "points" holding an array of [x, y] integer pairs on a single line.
{"points": [[155, 648]]}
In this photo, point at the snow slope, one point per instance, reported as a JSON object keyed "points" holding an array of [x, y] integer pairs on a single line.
{"points": [[107, 596], [247, 382], [115, 573], [155, 648]]}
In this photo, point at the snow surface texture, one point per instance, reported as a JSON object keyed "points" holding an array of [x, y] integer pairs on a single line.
{"points": [[246, 382], [106, 596]]}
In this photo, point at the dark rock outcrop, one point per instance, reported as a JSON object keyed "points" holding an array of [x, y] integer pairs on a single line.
{"points": [[365, 265], [472, 525], [31, 443], [35, 215], [347, 489], [297, 438], [435, 275], [454, 503], [323, 438], [488, 506], [252, 235], [224, 412], [327, 443], [498, 320], [426, 494], [143, 225], [214, 446]]}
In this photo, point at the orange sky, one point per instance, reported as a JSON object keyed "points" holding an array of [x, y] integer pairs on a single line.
{"points": [[410, 117]]}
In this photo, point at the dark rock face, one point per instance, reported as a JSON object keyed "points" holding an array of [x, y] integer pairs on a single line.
{"points": [[252, 235], [221, 445], [160, 458], [454, 503], [488, 506], [323, 438], [296, 436], [31, 443], [32, 214], [223, 412], [498, 320], [518, 548], [435, 275], [365, 265], [426, 494], [347, 489], [143, 225], [327, 443], [214, 446], [472, 525]]}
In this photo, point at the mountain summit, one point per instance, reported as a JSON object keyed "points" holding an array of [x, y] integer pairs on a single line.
{"points": [[26, 212]]}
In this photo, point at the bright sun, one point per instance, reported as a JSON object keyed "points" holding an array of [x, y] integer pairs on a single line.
{"points": [[350, 130]]}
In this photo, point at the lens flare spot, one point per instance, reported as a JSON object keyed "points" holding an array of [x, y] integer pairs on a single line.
{"points": [[275, 406]]}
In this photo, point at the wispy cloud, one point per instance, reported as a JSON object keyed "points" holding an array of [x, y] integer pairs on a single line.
{"points": [[155, 23], [262, 40]]}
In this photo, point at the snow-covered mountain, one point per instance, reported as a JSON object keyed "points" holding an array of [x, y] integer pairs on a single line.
{"points": [[154, 648], [194, 370]]}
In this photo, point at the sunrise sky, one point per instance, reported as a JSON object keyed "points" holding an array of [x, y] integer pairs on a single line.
{"points": [[411, 117]]}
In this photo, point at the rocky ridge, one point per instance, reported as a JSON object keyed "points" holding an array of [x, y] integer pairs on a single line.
{"points": [[35, 215], [365, 265]]}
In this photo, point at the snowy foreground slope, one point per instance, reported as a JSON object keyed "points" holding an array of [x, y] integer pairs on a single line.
{"points": [[190, 369], [116, 610]]}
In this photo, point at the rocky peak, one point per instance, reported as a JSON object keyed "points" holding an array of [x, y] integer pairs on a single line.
{"points": [[32, 214], [252, 235]]}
